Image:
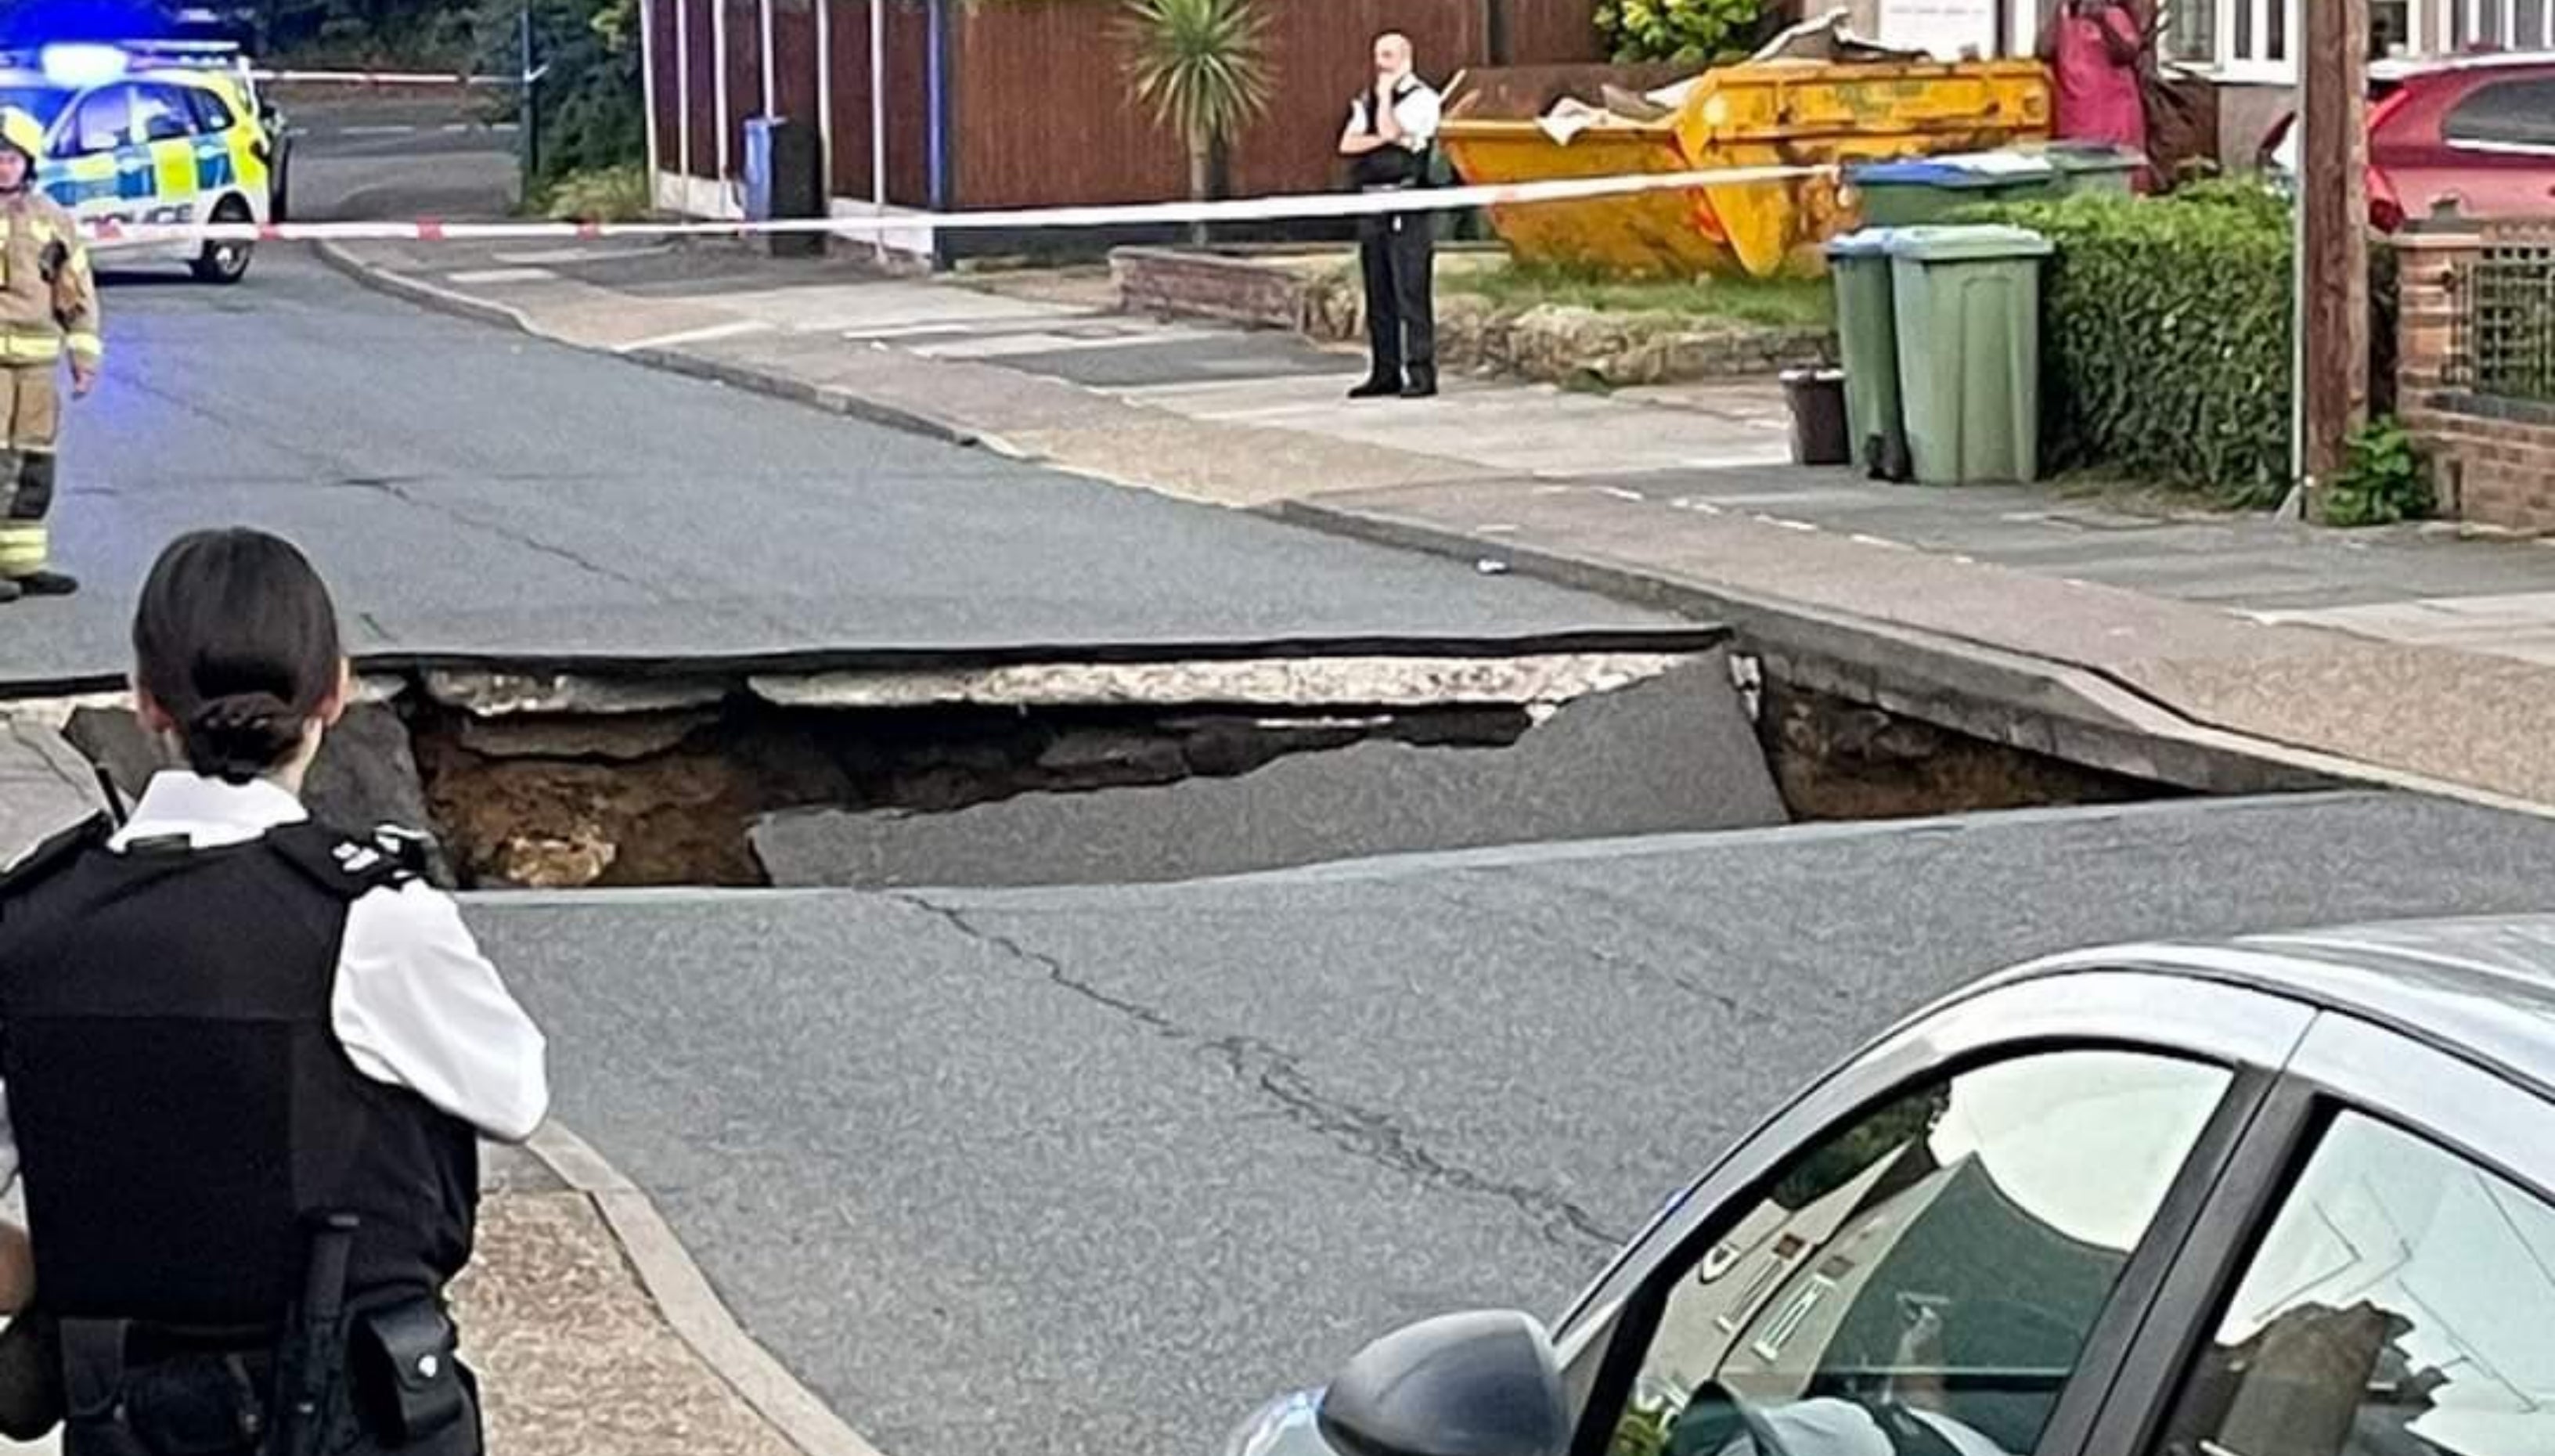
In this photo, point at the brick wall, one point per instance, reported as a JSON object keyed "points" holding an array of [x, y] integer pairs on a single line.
{"points": [[2493, 459]]}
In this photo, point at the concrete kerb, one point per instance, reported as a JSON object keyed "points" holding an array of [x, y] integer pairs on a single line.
{"points": [[419, 291], [823, 397], [682, 1294], [2053, 707]]}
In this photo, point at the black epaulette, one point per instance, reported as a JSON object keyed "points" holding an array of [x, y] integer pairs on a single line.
{"points": [[57, 853], [354, 865]]}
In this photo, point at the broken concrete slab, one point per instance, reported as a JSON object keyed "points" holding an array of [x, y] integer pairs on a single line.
{"points": [[496, 693], [46, 786], [1671, 753], [365, 775], [615, 736], [1374, 680]]}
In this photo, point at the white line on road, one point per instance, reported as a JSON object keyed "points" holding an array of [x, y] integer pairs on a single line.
{"points": [[500, 275], [728, 330]]}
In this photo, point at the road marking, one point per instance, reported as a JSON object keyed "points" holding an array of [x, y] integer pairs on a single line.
{"points": [[543, 256], [728, 330], [501, 275]]}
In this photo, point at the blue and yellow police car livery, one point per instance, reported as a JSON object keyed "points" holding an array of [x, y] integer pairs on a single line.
{"points": [[131, 141]]}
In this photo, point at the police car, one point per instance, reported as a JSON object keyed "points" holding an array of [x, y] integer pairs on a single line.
{"points": [[153, 135]]}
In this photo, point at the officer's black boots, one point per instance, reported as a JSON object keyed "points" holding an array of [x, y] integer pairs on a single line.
{"points": [[1377, 386], [45, 583], [1423, 384]]}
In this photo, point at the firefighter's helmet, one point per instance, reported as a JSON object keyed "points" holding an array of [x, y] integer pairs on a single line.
{"points": [[22, 133]]}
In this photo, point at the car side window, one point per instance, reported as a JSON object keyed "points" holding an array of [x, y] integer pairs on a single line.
{"points": [[162, 113], [2402, 1301], [2517, 113], [212, 114], [104, 121], [1923, 1282]]}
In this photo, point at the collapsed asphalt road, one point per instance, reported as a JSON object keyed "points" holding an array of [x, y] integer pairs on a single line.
{"points": [[1091, 1170], [472, 491]]}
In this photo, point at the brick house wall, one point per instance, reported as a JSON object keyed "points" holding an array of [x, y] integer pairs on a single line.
{"points": [[2493, 459]]}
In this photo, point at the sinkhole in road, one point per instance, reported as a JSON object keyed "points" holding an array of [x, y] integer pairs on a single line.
{"points": [[1125, 768]]}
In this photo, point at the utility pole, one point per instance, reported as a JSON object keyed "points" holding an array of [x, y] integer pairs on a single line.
{"points": [[2332, 373]]}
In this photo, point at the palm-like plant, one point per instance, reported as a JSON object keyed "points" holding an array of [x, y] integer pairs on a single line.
{"points": [[1203, 67]]}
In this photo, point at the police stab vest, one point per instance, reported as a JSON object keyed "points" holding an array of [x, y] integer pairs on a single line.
{"points": [[1387, 167], [181, 1105]]}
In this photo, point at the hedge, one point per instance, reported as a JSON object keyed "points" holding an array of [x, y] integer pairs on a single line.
{"points": [[2165, 340], [2165, 336]]}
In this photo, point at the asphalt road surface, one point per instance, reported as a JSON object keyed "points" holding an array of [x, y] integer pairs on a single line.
{"points": [[367, 156], [1093, 1171], [469, 490]]}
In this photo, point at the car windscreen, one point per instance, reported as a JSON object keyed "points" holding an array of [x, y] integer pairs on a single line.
{"points": [[41, 102]]}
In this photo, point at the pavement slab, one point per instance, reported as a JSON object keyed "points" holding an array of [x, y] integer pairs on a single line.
{"points": [[2463, 717]]}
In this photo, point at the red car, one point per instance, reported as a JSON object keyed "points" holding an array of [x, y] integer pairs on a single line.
{"points": [[2479, 131]]}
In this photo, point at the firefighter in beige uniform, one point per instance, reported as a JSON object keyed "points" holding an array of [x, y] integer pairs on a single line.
{"points": [[48, 308]]}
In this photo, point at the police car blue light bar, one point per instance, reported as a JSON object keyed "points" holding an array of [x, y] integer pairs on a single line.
{"points": [[74, 64]]}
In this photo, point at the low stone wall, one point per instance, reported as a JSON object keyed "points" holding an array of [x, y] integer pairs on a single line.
{"points": [[2493, 459], [1319, 297], [1265, 290]]}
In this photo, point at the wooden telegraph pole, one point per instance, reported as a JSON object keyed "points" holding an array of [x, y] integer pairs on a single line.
{"points": [[2332, 380]]}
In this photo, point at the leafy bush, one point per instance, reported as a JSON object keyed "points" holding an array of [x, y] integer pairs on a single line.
{"points": [[606, 194], [1688, 31], [2386, 482], [2166, 337]]}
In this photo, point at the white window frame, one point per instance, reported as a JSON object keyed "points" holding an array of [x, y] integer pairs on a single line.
{"points": [[2470, 16], [2259, 65]]}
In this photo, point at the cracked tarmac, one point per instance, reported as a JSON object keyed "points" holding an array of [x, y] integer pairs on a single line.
{"points": [[1094, 1169]]}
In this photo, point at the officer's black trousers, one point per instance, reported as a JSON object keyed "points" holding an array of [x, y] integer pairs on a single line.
{"points": [[1398, 255]]}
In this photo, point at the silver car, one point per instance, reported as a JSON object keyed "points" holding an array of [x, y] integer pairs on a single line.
{"points": [[2291, 1196]]}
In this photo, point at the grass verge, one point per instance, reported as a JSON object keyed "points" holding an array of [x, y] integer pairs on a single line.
{"points": [[1780, 301]]}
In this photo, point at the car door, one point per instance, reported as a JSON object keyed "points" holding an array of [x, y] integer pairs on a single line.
{"points": [[2377, 1278], [93, 144], [2501, 139], [1943, 1251], [163, 127]]}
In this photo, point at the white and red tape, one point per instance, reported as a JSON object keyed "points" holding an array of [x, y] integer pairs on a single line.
{"points": [[1237, 209]]}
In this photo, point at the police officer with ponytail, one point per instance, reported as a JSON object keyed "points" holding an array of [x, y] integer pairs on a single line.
{"points": [[247, 1059]]}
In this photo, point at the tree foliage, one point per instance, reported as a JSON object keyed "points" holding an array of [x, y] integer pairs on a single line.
{"points": [[1694, 31]]}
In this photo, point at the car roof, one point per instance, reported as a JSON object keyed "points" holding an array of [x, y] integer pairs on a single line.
{"points": [[2416, 67], [2481, 989]]}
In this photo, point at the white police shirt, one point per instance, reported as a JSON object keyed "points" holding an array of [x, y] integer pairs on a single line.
{"points": [[1417, 111], [415, 1004]]}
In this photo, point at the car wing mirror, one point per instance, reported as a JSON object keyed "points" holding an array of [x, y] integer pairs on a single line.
{"points": [[1462, 1384]]}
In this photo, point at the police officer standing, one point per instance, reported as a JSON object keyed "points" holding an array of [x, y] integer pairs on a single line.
{"points": [[1390, 132], [247, 1060], [48, 308]]}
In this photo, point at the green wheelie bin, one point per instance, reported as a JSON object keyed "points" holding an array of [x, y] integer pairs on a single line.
{"points": [[1968, 309], [1867, 323]]}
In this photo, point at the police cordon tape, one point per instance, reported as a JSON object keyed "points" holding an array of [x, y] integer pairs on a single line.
{"points": [[382, 78], [110, 235]]}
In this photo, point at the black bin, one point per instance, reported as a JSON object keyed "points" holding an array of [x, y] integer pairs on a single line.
{"points": [[783, 182], [1817, 400]]}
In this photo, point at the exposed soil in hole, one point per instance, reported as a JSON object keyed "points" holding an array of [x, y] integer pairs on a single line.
{"points": [[1835, 760], [668, 798]]}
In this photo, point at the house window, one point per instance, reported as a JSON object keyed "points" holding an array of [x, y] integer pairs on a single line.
{"points": [[2191, 32], [2253, 40], [2501, 25]]}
